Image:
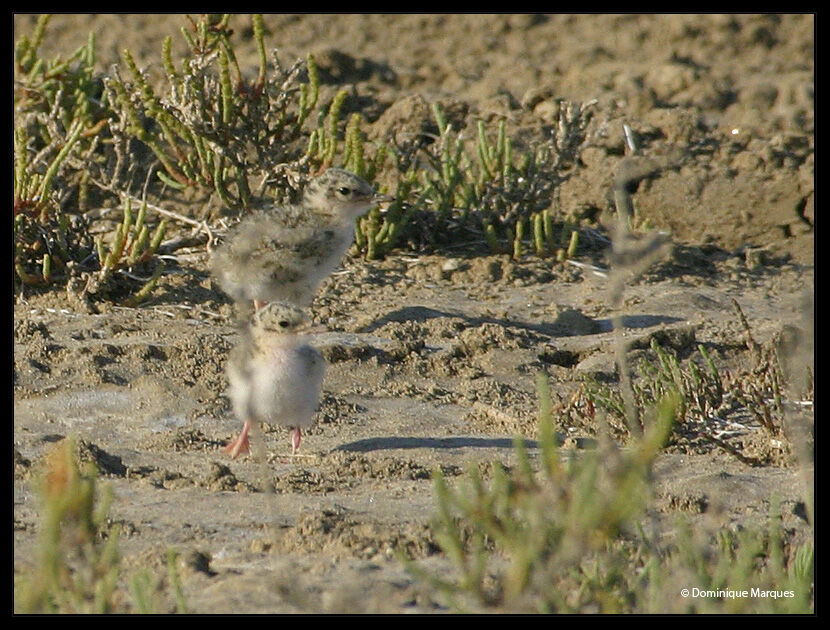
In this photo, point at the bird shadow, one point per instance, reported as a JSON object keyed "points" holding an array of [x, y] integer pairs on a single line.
{"points": [[557, 328], [638, 321], [394, 442]]}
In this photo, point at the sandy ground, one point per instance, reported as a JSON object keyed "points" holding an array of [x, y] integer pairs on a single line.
{"points": [[432, 356]]}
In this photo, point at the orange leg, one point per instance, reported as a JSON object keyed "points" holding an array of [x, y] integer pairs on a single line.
{"points": [[296, 437], [241, 444]]}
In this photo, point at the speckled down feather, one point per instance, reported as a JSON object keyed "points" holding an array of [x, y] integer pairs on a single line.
{"points": [[283, 253], [274, 375]]}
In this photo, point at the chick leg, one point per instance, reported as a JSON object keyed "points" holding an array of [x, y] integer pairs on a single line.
{"points": [[296, 437], [240, 444]]}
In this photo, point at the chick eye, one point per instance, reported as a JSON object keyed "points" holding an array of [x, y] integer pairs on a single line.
{"points": [[343, 190], [284, 323]]}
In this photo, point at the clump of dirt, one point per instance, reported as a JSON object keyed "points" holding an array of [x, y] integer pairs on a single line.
{"points": [[335, 534]]}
